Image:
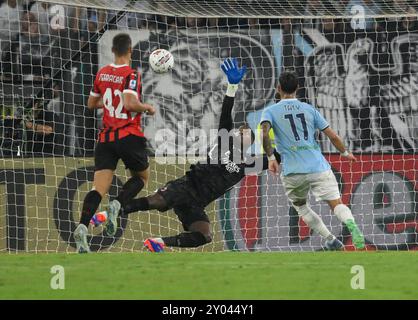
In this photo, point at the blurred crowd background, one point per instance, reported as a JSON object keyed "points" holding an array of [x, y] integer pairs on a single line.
{"points": [[45, 81]]}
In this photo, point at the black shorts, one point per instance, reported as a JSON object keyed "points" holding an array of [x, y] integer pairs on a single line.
{"points": [[190, 214], [131, 149], [181, 195]]}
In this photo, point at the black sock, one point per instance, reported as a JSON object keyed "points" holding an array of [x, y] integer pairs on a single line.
{"points": [[90, 205], [141, 204], [129, 190], [186, 240]]}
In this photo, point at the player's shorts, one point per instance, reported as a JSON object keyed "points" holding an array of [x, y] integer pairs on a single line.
{"points": [[323, 186], [180, 192], [181, 195], [131, 149]]}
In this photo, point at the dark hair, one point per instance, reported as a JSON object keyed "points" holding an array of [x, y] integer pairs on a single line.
{"points": [[121, 44], [288, 81]]}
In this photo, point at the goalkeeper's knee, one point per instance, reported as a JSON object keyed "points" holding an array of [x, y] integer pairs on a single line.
{"points": [[208, 238]]}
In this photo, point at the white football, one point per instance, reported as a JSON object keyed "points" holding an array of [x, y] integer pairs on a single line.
{"points": [[161, 60]]}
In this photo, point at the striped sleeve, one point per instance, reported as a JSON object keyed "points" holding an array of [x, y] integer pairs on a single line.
{"points": [[133, 84], [95, 91]]}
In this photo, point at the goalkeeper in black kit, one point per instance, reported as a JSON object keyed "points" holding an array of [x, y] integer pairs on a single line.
{"points": [[227, 164]]}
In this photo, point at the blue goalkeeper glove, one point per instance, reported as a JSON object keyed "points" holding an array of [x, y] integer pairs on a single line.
{"points": [[230, 68]]}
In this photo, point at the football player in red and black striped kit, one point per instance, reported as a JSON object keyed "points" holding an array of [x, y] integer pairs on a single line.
{"points": [[117, 89]]}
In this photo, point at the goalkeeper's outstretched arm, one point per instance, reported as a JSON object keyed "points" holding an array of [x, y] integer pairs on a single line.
{"points": [[225, 121], [234, 75]]}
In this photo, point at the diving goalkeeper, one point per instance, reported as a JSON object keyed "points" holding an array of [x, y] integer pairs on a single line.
{"points": [[227, 164]]}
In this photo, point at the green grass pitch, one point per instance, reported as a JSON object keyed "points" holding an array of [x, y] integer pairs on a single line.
{"points": [[224, 275]]}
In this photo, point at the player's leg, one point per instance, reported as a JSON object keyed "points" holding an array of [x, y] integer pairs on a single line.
{"points": [[101, 185], [324, 186], [105, 160], [129, 191], [133, 186], [198, 234], [197, 231], [175, 193], [152, 202], [314, 221], [132, 150], [297, 189], [344, 214]]}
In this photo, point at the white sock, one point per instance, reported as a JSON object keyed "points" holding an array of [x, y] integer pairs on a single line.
{"points": [[314, 221], [81, 226], [343, 213], [117, 203]]}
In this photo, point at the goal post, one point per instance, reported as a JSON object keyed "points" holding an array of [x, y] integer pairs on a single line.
{"points": [[357, 64]]}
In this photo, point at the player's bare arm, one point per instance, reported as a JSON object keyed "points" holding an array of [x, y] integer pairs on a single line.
{"points": [[339, 144], [94, 102], [268, 148], [132, 104]]}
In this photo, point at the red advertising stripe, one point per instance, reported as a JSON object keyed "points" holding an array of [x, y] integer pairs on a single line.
{"points": [[404, 164], [304, 230], [248, 210]]}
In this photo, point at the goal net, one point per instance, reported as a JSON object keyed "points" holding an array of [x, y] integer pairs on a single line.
{"points": [[357, 62]]}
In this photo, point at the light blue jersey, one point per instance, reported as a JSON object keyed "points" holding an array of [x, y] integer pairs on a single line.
{"points": [[294, 125]]}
